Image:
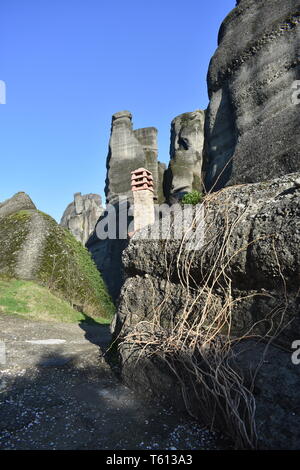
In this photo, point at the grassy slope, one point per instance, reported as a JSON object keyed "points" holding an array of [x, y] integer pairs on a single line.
{"points": [[32, 301], [65, 267]]}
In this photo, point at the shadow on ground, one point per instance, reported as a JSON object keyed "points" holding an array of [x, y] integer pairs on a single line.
{"points": [[65, 396]]}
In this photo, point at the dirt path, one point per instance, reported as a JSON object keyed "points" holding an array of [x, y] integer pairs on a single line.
{"points": [[57, 392]]}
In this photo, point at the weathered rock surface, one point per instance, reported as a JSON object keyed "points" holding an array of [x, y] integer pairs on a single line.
{"points": [[128, 150], [252, 125], [131, 149], [81, 215], [107, 255], [185, 168], [20, 201], [276, 393], [253, 230]]}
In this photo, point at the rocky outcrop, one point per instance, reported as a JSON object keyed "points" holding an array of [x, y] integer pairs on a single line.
{"points": [[185, 168], [131, 149], [128, 150], [34, 247], [81, 216], [20, 201], [251, 128], [246, 263]]}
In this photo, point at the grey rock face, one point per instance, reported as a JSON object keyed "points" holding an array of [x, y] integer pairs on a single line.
{"points": [[128, 150], [251, 129], [276, 396], [20, 201], [161, 190], [185, 168], [81, 216], [148, 139], [256, 229]]}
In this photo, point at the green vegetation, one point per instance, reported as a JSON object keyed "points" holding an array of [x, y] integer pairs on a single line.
{"points": [[67, 267], [29, 300], [64, 267], [193, 198]]}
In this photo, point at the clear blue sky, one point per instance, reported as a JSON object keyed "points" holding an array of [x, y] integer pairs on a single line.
{"points": [[70, 64]]}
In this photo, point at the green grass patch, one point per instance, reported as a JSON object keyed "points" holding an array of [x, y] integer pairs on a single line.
{"points": [[29, 300]]}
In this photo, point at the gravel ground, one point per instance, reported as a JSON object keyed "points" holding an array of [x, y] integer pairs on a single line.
{"points": [[57, 392]]}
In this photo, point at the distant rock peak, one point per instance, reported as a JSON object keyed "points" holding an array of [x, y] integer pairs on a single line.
{"points": [[81, 215]]}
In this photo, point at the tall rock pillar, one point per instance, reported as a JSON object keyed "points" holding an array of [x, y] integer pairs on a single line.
{"points": [[252, 122], [185, 169]]}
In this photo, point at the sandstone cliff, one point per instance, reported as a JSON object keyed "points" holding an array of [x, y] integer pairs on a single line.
{"points": [[251, 129]]}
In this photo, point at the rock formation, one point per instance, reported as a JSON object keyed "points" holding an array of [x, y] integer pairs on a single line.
{"points": [[240, 284], [251, 237], [81, 216], [252, 125], [128, 150], [185, 168], [20, 201], [34, 247]]}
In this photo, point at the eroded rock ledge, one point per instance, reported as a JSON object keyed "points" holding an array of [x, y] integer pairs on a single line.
{"points": [[251, 239]]}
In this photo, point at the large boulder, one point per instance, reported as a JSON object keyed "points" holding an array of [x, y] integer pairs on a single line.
{"points": [[34, 247], [240, 279], [185, 167], [81, 216], [251, 128]]}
